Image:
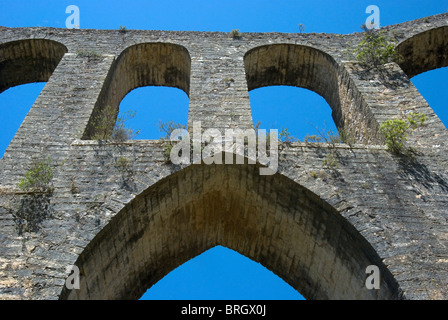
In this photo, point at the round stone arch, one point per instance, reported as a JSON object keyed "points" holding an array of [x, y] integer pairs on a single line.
{"points": [[28, 60], [143, 64], [269, 219], [424, 51], [307, 67]]}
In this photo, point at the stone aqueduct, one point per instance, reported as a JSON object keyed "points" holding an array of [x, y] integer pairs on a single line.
{"points": [[317, 232]]}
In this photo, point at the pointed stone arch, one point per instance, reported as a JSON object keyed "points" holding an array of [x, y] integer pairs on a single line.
{"points": [[269, 219]]}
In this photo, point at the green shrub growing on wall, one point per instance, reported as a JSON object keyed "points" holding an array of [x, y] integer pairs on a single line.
{"points": [[91, 54], [38, 178], [35, 205], [120, 132], [330, 161], [395, 131], [324, 136], [375, 49], [123, 164], [235, 34], [168, 128], [102, 123], [285, 136], [103, 129]]}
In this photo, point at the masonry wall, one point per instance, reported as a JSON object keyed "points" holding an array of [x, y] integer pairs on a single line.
{"points": [[391, 209]]}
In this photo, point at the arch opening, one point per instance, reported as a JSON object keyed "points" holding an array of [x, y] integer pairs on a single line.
{"points": [[25, 67], [15, 103], [141, 65], [309, 68], [27, 61], [273, 106], [424, 51], [221, 273], [424, 59], [294, 65], [432, 86], [269, 219], [152, 105]]}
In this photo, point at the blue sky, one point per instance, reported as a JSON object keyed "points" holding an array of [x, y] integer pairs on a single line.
{"points": [[218, 273]]}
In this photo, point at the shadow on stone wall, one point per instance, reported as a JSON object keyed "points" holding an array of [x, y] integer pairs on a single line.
{"points": [[30, 210], [412, 166]]}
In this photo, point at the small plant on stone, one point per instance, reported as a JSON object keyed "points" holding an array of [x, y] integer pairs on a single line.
{"points": [[228, 81], [108, 125], [267, 136], [395, 131], [312, 138], [375, 50], [38, 178], [346, 137], [235, 34], [122, 29], [330, 161], [167, 147], [365, 185], [325, 136], [286, 137], [34, 206], [331, 138], [123, 164], [91, 54], [313, 174], [120, 132], [103, 122], [167, 128]]}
